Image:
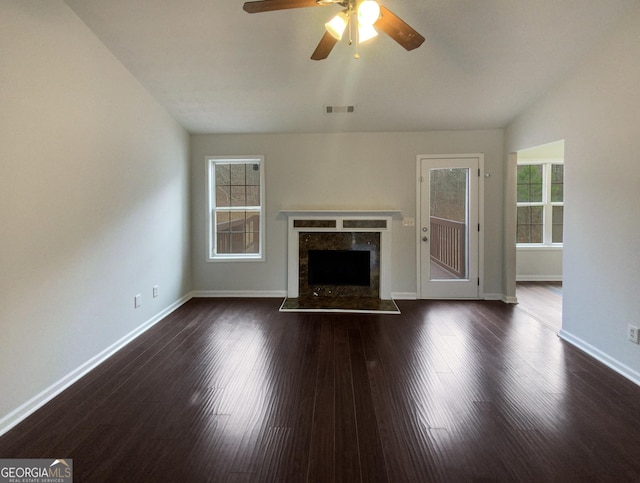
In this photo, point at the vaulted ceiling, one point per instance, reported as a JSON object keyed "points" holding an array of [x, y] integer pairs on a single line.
{"points": [[218, 69]]}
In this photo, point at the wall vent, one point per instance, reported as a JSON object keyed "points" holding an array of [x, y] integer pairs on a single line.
{"points": [[339, 109]]}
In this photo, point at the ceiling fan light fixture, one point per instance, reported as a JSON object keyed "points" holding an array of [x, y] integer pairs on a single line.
{"points": [[337, 25], [368, 12], [366, 32]]}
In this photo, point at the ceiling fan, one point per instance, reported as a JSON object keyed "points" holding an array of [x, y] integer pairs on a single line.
{"points": [[368, 15]]}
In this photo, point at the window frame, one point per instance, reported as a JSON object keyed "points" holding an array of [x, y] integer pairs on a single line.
{"points": [[546, 203], [212, 256]]}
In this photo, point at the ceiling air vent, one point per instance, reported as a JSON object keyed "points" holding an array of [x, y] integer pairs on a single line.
{"points": [[339, 109]]}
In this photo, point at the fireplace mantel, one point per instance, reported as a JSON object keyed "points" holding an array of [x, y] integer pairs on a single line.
{"points": [[341, 213], [331, 221]]}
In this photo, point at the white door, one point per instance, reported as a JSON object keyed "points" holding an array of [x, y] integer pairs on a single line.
{"points": [[448, 209]]}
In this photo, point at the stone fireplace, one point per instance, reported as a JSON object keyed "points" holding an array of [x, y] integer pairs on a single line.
{"points": [[339, 264], [339, 254]]}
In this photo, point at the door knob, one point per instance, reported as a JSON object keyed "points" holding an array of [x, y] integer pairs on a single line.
{"points": [[424, 238]]}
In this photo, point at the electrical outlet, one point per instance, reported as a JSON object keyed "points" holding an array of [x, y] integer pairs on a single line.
{"points": [[408, 222], [155, 291], [137, 301], [632, 334]]}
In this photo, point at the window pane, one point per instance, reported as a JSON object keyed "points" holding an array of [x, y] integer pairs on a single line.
{"points": [[536, 234], [529, 224], [252, 242], [223, 243], [523, 174], [524, 216], [223, 177], [237, 243], [237, 174], [557, 183], [557, 224], [535, 192], [252, 221], [524, 234], [237, 221], [253, 174], [238, 195], [537, 215], [558, 215], [253, 196], [222, 221], [530, 183], [523, 192], [557, 173], [223, 196]]}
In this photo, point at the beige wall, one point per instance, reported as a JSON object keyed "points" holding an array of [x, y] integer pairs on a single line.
{"points": [[333, 171], [93, 202]]}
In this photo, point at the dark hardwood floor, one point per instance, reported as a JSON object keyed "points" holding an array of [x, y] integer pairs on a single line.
{"points": [[232, 390], [541, 300]]}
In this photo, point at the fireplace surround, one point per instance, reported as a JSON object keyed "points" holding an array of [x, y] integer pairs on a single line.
{"points": [[340, 231], [339, 264]]}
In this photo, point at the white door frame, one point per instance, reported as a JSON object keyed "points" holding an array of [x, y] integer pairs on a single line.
{"points": [[418, 234]]}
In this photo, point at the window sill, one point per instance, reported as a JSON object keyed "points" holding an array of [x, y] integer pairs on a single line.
{"points": [[258, 258]]}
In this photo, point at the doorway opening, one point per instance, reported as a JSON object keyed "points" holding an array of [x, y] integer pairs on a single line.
{"points": [[539, 231]]}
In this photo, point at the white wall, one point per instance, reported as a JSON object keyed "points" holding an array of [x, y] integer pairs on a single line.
{"points": [[340, 171], [596, 110], [94, 204], [539, 264]]}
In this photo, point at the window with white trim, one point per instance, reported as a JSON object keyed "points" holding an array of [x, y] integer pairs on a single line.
{"points": [[540, 195], [236, 208]]}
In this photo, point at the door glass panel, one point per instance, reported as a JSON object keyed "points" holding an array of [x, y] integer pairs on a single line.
{"points": [[448, 225]]}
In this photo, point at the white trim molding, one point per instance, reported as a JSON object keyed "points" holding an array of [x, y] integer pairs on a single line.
{"points": [[607, 360], [36, 402], [404, 296], [538, 278], [239, 293]]}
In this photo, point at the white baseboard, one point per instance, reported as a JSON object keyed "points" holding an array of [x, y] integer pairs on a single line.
{"points": [[23, 411], [538, 278], [239, 293], [404, 296], [486, 296], [607, 360]]}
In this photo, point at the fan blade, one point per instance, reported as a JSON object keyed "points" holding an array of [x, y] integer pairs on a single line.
{"points": [[398, 29], [324, 47], [269, 5]]}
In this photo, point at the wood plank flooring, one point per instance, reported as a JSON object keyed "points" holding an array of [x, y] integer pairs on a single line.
{"points": [[541, 300], [232, 390]]}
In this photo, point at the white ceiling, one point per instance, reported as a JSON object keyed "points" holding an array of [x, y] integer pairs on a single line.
{"points": [[218, 69]]}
